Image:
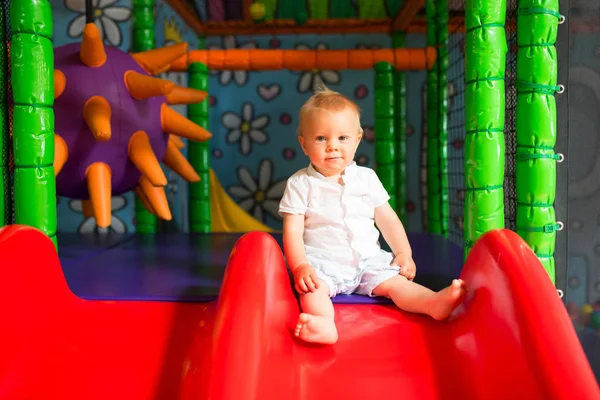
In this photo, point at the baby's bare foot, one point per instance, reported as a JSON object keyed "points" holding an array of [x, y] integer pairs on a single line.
{"points": [[446, 300], [316, 329]]}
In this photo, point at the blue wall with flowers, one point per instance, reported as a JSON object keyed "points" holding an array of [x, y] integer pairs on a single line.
{"points": [[253, 115]]}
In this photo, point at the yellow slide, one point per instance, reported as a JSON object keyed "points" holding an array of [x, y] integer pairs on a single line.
{"points": [[226, 215]]}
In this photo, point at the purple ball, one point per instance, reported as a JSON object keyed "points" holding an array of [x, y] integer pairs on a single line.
{"points": [[128, 116]]}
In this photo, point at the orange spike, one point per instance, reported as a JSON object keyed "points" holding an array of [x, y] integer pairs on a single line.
{"points": [[61, 153], [176, 141], [142, 86], [159, 60], [86, 208], [177, 162], [99, 187], [96, 113], [140, 194], [156, 197], [92, 51], [183, 95], [143, 157], [176, 124], [60, 82]]}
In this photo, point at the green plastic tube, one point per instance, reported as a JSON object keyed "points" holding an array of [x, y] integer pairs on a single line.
{"points": [[371, 9], [5, 213], [143, 40], [385, 129], [438, 208], [485, 46], [343, 9], [142, 25], [199, 153], [32, 74], [318, 9], [537, 25], [394, 7], [442, 131], [270, 7], [398, 40]]}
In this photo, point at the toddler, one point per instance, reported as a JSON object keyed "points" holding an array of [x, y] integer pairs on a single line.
{"points": [[329, 212]]}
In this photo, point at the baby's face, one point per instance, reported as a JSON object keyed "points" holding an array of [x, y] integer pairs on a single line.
{"points": [[330, 139]]}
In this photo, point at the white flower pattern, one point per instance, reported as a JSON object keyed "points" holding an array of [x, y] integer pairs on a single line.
{"points": [[245, 129], [106, 16], [89, 223], [240, 77], [261, 194], [311, 80]]}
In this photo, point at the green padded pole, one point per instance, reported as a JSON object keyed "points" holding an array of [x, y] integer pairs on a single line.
{"points": [[442, 104], [32, 74], [4, 125], [485, 46], [343, 9], [143, 40], [199, 153], [398, 40], [318, 9], [270, 8], [385, 132], [371, 9], [537, 25], [437, 119]]}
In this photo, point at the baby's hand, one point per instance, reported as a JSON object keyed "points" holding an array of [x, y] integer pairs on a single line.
{"points": [[306, 279], [408, 269]]}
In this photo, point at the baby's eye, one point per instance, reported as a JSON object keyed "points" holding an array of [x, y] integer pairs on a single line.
{"points": [[342, 138], [320, 138]]}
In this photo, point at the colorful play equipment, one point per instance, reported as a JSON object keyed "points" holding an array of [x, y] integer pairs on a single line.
{"points": [[209, 315], [107, 158], [484, 101], [240, 346]]}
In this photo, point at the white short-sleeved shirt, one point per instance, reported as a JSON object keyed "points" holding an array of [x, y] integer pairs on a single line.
{"points": [[338, 219]]}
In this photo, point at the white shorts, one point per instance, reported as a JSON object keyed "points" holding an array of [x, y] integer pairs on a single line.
{"points": [[369, 273]]}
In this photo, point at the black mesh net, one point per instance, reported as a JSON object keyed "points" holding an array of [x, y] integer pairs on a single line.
{"points": [[456, 123], [5, 121], [510, 138]]}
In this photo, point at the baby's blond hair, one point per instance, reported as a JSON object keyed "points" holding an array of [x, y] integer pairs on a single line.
{"points": [[329, 100]]}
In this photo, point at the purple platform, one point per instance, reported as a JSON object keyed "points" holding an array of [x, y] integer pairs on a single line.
{"points": [[182, 267]]}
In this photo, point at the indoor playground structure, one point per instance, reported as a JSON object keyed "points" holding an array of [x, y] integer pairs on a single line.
{"points": [[209, 314]]}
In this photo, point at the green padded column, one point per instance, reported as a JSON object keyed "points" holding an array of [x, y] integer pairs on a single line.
{"points": [[537, 25], [438, 208], [318, 9], [371, 9], [199, 152], [32, 74], [143, 40], [442, 104], [270, 7], [485, 57], [385, 130], [5, 205], [343, 9], [398, 40]]}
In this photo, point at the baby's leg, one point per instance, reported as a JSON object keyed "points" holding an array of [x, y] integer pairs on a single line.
{"points": [[316, 324], [412, 297]]}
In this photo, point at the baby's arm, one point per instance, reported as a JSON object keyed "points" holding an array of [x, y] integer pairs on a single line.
{"points": [[394, 234], [392, 229], [293, 246]]}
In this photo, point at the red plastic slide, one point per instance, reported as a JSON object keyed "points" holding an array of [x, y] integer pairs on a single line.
{"points": [[512, 338]]}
